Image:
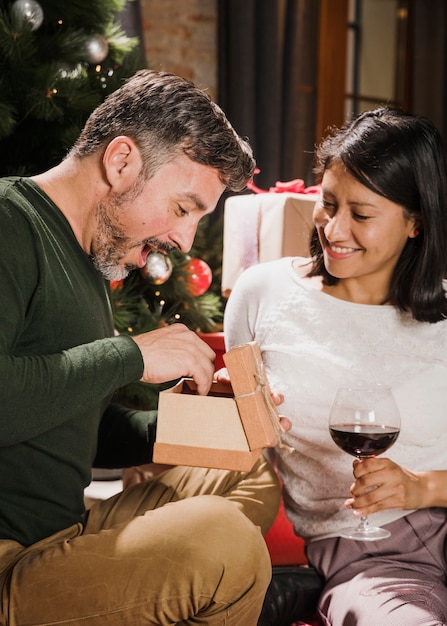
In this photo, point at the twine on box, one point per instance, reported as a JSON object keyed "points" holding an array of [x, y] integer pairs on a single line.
{"points": [[263, 386]]}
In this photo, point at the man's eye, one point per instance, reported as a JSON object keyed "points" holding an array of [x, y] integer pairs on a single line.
{"points": [[361, 218], [183, 211]]}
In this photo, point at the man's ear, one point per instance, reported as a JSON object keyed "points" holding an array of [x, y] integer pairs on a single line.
{"points": [[122, 163]]}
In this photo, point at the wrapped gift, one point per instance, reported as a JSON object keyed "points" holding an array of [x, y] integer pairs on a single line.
{"points": [[228, 428], [263, 227]]}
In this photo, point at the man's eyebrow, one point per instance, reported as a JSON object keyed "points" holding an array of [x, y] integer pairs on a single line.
{"points": [[196, 200]]}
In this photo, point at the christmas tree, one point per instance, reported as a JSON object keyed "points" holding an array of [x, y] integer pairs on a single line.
{"points": [[171, 288], [58, 61]]}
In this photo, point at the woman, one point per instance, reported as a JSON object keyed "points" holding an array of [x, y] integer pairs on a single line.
{"points": [[368, 307]]}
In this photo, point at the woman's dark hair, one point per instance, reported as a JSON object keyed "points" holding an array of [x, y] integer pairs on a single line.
{"points": [[166, 116], [399, 157]]}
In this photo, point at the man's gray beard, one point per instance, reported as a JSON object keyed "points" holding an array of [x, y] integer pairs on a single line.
{"points": [[110, 271], [110, 245], [107, 260]]}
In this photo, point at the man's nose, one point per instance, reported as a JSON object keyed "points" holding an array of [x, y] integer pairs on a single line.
{"points": [[185, 238]]}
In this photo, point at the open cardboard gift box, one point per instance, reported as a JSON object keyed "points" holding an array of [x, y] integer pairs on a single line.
{"points": [[228, 428]]}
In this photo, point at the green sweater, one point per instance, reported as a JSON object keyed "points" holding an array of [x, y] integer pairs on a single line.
{"points": [[59, 366]]}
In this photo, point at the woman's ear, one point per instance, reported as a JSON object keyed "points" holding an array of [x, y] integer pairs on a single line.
{"points": [[415, 227], [122, 163], [416, 231]]}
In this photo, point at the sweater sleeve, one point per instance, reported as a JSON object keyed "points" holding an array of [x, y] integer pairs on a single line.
{"points": [[57, 387], [57, 356], [242, 308], [258, 291]]}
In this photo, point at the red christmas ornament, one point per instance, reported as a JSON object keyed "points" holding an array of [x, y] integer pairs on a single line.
{"points": [[200, 276]]}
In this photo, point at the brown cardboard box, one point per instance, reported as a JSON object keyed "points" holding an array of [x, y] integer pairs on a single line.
{"points": [[226, 429], [264, 227]]}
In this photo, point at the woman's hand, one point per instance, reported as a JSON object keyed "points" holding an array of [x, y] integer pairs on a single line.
{"points": [[381, 484], [222, 376]]}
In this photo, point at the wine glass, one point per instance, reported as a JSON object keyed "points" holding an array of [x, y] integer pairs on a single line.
{"points": [[364, 422]]}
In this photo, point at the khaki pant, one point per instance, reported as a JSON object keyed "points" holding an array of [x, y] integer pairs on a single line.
{"points": [[179, 549]]}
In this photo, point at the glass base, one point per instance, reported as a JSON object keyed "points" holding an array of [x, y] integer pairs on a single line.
{"points": [[362, 533]]}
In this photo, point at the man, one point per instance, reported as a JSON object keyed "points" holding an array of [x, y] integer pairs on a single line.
{"points": [[151, 161]]}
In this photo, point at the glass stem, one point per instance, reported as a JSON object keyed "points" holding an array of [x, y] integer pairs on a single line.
{"points": [[364, 524]]}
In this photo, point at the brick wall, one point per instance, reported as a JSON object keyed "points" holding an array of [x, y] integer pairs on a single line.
{"points": [[181, 37]]}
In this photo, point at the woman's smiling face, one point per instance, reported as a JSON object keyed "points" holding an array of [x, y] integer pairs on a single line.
{"points": [[362, 234]]}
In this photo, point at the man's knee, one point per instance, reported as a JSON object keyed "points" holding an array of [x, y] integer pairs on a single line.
{"points": [[226, 541]]}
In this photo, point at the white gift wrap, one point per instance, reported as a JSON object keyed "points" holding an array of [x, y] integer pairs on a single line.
{"points": [[263, 227]]}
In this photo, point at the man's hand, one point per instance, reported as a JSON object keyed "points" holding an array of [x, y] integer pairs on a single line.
{"points": [[175, 352]]}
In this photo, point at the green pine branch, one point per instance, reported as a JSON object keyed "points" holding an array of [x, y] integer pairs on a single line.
{"points": [[140, 306], [47, 85]]}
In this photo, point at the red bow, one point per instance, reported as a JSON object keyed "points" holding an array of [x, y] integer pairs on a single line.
{"points": [[292, 186]]}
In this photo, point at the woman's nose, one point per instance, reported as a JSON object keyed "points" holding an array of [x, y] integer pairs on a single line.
{"points": [[337, 227]]}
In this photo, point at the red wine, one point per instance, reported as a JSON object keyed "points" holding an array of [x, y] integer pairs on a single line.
{"points": [[364, 441]]}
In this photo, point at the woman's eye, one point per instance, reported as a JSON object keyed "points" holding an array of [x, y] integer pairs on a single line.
{"points": [[360, 218], [329, 207]]}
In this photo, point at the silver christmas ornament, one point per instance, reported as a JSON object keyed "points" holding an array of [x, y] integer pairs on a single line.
{"points": [[28, 11], [96, 48], [158, 268]]}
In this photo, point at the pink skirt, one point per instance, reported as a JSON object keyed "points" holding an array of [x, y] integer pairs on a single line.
{"points": [[399, 581]]}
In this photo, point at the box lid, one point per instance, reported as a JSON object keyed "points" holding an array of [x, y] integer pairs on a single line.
{"points": [[259, 415]]}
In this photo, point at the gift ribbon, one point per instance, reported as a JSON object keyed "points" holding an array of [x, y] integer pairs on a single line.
{"points": [[291, 186]]}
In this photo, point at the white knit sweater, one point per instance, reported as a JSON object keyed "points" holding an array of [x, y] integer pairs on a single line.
{"points": [[311, 344]]}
